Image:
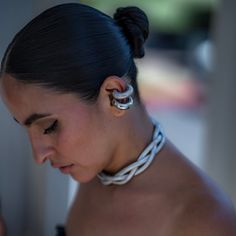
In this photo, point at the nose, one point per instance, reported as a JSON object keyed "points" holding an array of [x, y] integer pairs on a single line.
{"points": [[41, 155], [42, 150]]}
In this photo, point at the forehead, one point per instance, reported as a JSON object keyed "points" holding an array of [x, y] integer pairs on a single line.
{"points": [[9, 86], [24, 99], [16, 92]]}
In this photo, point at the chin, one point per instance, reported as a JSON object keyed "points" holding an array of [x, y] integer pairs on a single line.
{"points": [[83, 178]]}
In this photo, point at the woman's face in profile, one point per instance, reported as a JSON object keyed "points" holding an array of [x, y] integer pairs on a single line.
{"points": [[62, 129]]}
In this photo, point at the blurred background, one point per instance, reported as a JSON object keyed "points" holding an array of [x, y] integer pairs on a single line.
{"points": [[187, 81]]}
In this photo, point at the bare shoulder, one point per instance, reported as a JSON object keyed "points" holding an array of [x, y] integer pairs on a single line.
{"points": [[206, 216], [203, 209]]}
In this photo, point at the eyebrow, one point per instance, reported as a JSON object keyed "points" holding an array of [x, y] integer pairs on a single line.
{"points": [[32, 118]]}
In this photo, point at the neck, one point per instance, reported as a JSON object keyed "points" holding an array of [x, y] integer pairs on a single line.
{"points": [[135, 134]]}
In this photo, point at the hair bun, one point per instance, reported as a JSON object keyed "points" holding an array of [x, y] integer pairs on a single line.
{"points": [[135, 26]]}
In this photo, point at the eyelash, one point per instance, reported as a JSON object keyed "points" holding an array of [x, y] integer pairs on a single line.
{"points": [[52, 128]]}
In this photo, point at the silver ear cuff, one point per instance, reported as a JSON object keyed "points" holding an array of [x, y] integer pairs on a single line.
{"points": [[123, 100]]}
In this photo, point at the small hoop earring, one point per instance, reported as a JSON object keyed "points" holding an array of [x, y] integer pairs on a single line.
{"points": [[117, 98]]}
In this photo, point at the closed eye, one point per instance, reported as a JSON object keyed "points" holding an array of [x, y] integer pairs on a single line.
{"points": [[52, 128]]}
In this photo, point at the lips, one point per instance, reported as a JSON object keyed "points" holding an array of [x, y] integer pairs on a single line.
{"points": [[66, 169], [63, 168]]}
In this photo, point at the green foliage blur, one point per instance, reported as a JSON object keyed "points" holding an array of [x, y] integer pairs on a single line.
{"points": [[176, 16]]}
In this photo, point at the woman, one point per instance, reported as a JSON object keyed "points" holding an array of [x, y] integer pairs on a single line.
{"points": [[69, 78]]}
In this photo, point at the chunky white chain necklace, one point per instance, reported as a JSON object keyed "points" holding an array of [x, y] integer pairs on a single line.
{"points": [[143, 161]]}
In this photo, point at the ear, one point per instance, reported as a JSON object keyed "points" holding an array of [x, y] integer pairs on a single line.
{"points": [[110, 84]]}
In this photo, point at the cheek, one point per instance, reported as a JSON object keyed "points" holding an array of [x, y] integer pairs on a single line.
{"points": [[83, 139], [73, 141], [85, 146]]}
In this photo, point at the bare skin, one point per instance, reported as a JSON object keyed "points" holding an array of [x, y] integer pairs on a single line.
{"points": [[171, 198]]}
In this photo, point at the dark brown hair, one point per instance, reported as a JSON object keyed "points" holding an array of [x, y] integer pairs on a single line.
{"points": [[73, 48]]}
